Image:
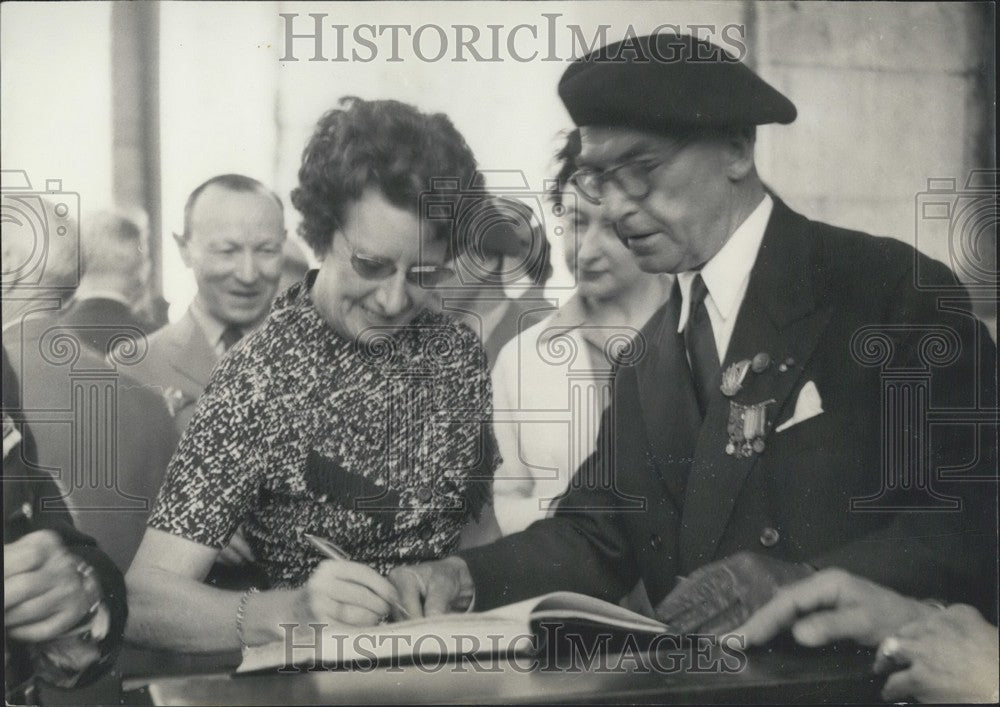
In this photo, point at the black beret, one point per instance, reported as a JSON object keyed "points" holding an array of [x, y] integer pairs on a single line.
{"points": [[661, 82]]}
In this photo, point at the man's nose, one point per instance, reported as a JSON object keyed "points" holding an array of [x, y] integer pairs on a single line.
{"points": [[246, 268], [393, 296], [615, 203], [616, 207]]}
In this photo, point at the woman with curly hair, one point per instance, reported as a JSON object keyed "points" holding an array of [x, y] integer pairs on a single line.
{"points": [[353, 414]]}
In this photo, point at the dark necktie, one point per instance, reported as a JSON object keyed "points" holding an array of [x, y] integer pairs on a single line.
{"points": [[700, 342], [230, 336]]}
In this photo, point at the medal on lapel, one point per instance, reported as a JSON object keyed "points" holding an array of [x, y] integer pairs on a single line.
{"points": [[747, 422], [747, 427], [732, 377]]}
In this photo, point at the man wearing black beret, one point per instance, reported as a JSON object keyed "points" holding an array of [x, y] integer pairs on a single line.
{"points": [[778, 422]]}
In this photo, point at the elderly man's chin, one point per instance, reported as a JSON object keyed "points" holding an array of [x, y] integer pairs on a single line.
{"points": [[658, 262], [657, 253]]}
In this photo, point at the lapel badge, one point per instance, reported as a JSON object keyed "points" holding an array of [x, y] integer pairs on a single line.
{"points": [[760, 362], [732, 377], [747, 427]]}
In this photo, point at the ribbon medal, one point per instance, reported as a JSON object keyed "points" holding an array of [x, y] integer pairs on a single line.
{"points": [[747, 426]]}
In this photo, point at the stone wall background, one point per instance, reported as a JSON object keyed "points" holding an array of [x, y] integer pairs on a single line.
{"points": [[890, 96]]}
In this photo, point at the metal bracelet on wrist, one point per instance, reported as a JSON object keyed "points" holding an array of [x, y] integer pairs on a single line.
{"points": [[241, 614]]}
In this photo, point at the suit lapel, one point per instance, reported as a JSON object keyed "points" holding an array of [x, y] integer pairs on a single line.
{"points": [[192, 356], [778, 317]]}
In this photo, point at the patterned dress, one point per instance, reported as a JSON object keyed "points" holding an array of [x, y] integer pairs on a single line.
{"points": [[384, 447]]}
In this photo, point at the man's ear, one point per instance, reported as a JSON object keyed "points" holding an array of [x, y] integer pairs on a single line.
{"points": [[740, 153], [183, 242]]}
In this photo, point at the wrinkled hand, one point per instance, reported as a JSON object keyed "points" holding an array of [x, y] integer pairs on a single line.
{"points": [[721, 595], [948, 656], [237, 552], [344, 592], [44, 594], [434, 588], [833, 605]]}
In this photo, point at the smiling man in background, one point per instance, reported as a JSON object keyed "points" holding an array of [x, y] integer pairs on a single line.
{"points": [[232, 241]]}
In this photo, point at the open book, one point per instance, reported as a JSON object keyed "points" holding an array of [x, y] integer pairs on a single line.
{"points": [[506, 630]]}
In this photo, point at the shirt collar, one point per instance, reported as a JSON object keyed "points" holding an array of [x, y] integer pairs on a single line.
{"points": [[568, 317], [211, 327], [728, 270]]}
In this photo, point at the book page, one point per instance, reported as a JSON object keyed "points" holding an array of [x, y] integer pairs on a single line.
{"points": [[496, 631]]}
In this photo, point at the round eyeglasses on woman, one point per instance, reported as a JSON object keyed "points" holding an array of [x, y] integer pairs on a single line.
{"points": [[370, 267]]}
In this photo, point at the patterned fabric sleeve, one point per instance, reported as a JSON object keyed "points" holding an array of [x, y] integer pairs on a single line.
{"points": [[216, 472]]}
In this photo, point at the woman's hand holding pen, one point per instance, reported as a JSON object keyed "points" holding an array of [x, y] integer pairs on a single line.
{"points": [[341, 591]]}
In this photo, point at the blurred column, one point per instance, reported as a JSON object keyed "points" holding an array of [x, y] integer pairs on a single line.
{"points": [[135, 34]]}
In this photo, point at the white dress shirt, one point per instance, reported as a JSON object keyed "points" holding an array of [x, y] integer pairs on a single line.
{"points": [[727, 275], [210, 326]]}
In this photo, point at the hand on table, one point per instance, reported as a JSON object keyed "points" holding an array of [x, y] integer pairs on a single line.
{"points": [[832, 605], [46, 588], [949, 655], [721, 595], [339, 591], [434, 588]]}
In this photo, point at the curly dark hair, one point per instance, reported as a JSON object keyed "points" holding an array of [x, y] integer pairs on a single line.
{"points": [[386, 145]]}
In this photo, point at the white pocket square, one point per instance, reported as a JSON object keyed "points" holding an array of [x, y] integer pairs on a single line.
{"points": [[808, 405]]}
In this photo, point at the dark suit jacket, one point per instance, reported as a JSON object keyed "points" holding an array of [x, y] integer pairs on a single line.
{"points": [[178, 366], [106, 438], [24, 484], [98, 320], [667, 498]]}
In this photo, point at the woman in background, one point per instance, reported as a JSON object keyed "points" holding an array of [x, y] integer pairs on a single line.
{"points": [[353, 413], [563, 365]]}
